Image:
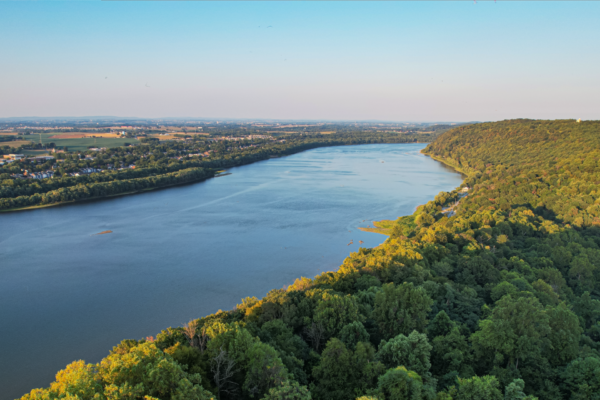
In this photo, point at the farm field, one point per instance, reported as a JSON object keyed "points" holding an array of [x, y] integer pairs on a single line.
{"points": [[79, 142], [34, 152], [15, 143], [163, 137], [84, 143]]}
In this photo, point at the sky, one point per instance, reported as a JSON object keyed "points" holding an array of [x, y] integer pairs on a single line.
{"points": [[422, 61]]}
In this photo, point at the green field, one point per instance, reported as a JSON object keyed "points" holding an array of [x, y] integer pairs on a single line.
{"points": [[81, 143], [84, 143], [34, 152], [15, 143]]}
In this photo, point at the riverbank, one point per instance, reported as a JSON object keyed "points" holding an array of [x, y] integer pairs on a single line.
{"points": [[450, 163], [98, 198]]}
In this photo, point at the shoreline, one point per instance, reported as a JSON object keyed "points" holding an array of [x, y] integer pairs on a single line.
{"points": [[447, 163], [97, 198]]}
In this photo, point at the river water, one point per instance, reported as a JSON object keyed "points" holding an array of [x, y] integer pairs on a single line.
{"points": [[185, 252]]}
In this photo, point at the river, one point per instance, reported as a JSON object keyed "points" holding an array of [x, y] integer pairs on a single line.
{"points": [[185, 252]]}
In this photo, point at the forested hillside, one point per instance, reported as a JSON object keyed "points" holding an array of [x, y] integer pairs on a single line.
{"points": [[498, 301]]}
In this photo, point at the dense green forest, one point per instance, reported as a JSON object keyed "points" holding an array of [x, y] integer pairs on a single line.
{"points": [[500, 300], [157, 165]]}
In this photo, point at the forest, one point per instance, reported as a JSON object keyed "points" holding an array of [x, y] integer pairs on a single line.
{"points": [[498, 300], [157, 165]]}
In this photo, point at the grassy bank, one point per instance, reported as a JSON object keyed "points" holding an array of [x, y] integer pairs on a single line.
{"points": [[384, 227]]}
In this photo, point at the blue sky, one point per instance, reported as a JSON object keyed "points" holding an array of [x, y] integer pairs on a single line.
{"points": [[395, 61]]}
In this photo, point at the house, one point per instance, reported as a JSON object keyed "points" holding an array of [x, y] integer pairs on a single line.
{"points": [[16, 156], [464, 190], [41, 175], [88, 171]]}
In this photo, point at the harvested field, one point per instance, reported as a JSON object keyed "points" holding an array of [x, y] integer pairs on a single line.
{"points": [[15, 143], [188, 133], [162, 137]]}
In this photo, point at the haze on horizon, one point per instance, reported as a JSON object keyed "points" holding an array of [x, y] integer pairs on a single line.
{"points": [[335, 61]]}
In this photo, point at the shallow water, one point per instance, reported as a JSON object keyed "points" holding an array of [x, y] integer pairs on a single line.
{"points": [[185, 252]]}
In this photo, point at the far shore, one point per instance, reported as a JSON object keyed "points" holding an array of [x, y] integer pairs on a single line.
{"points": [[63, 203]]}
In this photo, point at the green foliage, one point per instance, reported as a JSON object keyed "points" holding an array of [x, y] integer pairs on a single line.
{"points": [[441, 325], [412, 351], [399, 384], [516, 330], [353, 333], [564, 335], [289, 390], [478, 388], [130, 372], [514, 391], [401, 309], [582, 379], [265, 369], [343, 374], [333, 312], [291, 348], [335, 373], [451, 356]]}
